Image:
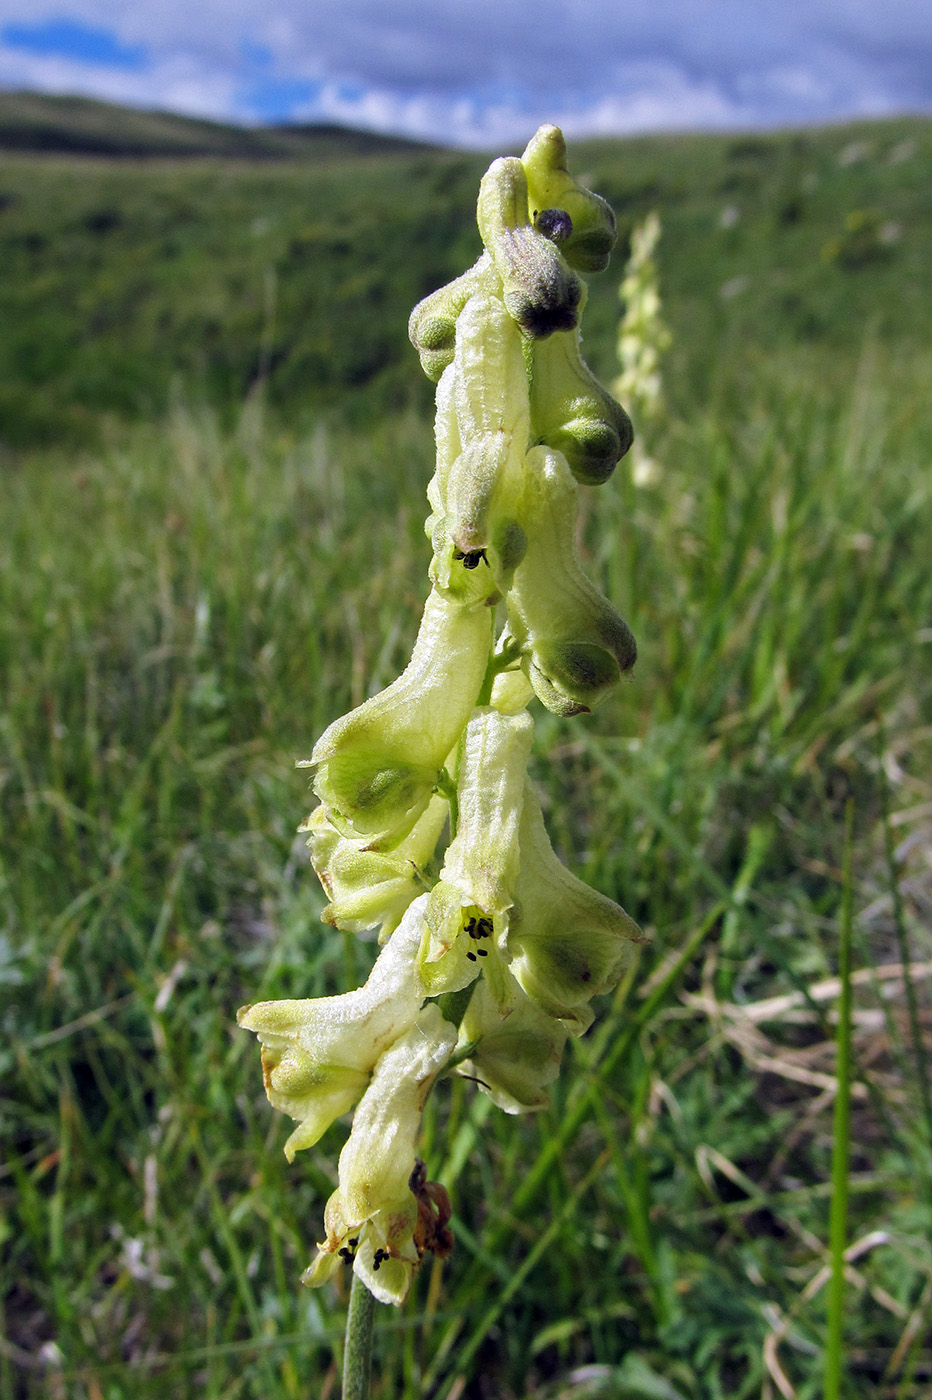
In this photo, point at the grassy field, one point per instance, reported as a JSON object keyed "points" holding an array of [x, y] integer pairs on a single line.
{"points": [[216, 550]]}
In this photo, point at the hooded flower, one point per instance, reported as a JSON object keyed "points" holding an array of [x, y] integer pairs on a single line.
{"points": [[571, 412], [576, 645], [512, 1057], [377, 767], [588, 244], [317, 1055], [540, 291], [482, 431], [368, 888], [566, 943], [372, 1216]]}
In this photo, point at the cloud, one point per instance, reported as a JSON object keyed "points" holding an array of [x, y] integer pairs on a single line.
{"points": [[480, 72]]}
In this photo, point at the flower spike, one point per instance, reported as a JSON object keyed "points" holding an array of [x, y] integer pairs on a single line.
{"points": [[428, 826]]}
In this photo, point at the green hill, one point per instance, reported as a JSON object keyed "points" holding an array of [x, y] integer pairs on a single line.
{"points": [[82, 126], [127, 278]]}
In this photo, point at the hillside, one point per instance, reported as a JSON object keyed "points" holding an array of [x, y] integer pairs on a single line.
{"points": [[128, 280], [38, 123]]}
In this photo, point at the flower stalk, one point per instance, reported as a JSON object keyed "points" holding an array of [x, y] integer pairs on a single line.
{"points": [[428, 827]]}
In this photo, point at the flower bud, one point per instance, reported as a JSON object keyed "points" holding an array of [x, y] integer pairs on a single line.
{"points": [[566, 942], [373, 1205], [589, 245], [513, 1057], [482, 402], [367, 888], [483, 484], [377, 767], [572, 413], [482, 858], [576, 645], [318, 1054], [432, 324], [512, 692], [540, 290]]}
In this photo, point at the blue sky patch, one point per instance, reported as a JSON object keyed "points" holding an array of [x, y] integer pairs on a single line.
{"points": [[274, 99], [67, 38]]}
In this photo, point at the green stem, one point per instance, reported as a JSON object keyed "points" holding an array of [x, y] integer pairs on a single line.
{"points": [[841, 1145], [357, 1357]]}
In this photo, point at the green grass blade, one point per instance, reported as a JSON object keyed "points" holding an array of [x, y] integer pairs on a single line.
{"points": [[841, 1144]]}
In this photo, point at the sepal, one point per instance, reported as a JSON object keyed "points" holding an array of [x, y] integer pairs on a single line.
{"points": [[432, 324], [482, 858]]}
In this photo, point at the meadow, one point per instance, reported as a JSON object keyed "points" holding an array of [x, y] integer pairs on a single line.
{"points": [[215, 445]]}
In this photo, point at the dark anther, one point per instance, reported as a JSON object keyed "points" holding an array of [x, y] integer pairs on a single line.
{"points": [[352, 1243], [472, 560], [470, 927], [485, 928], [554, 224]]}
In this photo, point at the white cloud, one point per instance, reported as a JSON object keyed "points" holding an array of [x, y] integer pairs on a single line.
{"points": [[483, 72]]}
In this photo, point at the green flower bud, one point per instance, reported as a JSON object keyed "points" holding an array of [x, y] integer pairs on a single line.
{"points": [[483, 484], [367, 888], [551, 187], [540, 291], [318, 1054], [482, 858], [576, 645], [512, 692], [372, 1216], [377, 767], [432, 324], [482, 401], [513, 1057], [572, 413], [566, 943]]}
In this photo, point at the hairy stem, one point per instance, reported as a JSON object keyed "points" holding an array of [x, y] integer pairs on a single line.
{"points": [[357, 1358]]}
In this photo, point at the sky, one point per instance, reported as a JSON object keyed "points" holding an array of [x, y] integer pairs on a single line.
{"points": [[481, 72]]}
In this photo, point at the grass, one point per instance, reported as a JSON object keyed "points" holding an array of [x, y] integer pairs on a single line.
{"points": [[187, 602]]}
